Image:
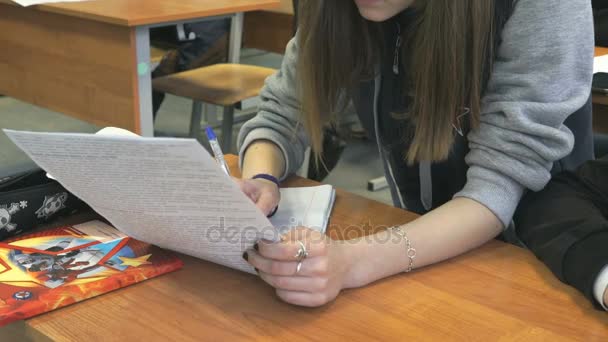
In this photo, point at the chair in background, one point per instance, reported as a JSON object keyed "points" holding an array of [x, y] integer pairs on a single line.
{"points": [[223, 85], [156, 55]]}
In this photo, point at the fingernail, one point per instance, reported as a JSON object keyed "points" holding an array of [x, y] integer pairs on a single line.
{"points": [[246, 256], [256, 247]]}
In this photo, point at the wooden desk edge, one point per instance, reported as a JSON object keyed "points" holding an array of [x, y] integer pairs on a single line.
{"points": [[72, 9], [600, 51], [43, 325]]}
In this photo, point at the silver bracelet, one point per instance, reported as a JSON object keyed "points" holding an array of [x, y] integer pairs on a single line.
{"points": [[410, 252]]}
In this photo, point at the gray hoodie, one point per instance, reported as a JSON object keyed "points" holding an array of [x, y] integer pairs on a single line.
{"points": [[542, 74]]}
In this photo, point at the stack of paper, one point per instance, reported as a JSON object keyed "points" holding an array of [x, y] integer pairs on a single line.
{"points": [[163, 191], [170, 193], [307, 207]]}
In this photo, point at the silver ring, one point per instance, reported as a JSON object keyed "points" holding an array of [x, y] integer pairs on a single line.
{"points": [[298, 267], [302, 252]]}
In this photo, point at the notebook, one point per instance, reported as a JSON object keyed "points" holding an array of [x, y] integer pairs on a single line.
{"points": [[308, 207], [43, 271]]}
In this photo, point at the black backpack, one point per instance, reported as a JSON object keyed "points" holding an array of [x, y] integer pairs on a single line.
{"points": [[29, 199]]}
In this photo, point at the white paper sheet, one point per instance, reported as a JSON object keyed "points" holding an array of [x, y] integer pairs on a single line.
{"points": [[600, 64], [164, 191], [26, 3]]}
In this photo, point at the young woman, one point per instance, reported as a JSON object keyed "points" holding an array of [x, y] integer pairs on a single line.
{"points": [[471, 102]]}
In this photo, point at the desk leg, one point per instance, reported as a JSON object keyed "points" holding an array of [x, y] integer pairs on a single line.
{"points": [[236, 38], [144, 81]]}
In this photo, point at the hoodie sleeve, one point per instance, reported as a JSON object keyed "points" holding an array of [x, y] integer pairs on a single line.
{"points": [[542, 74], [278, 118]]}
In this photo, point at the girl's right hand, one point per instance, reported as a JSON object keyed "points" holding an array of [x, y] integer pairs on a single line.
{"points": [[265, 194]]}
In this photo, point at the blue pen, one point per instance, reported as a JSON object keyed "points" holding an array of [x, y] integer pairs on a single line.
{"points": [[217, 151]]}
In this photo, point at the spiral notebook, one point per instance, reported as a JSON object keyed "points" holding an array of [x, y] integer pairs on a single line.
{"points": [[308, 207]]}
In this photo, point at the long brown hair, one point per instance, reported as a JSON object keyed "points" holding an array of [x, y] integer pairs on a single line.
{"points": [[448, 49]]}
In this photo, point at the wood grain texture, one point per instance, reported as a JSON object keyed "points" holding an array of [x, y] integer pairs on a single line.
{"points": [[600, 51], [78, 67], [268, 31], [144, 12], [219, 84], [601, 99], [286, 7], [496, 292]]}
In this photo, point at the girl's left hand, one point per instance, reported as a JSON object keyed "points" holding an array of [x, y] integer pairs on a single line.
{"points": [[323, 274]]}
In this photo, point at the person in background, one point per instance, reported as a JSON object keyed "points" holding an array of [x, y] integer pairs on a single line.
{"points": [[566, 227], [471, 102]]}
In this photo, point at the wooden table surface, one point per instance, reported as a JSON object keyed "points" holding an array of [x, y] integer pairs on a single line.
{"points": [[286, 7], [497, 292], [143, 12]]}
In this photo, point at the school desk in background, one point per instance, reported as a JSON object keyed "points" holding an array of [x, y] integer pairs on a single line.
{"points": [[51, 269], [100, 53]]}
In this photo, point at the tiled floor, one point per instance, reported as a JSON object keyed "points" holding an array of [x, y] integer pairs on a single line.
{"points": [[173, 120]]}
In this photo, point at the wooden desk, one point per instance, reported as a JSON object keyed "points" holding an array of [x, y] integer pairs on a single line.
{"points": [[91, 60], [600, 103], [495, 292], [269, 30]]}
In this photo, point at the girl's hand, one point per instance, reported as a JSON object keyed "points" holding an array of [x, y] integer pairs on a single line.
{"points": [[265, 194], [323, 274]]}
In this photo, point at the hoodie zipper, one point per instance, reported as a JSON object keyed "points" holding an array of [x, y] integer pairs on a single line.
{"points": [[398, 43], [392, 183], [425, 174]]}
